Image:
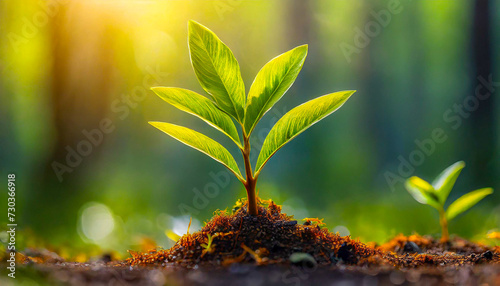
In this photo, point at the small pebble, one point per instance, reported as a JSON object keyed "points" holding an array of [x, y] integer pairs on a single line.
{"points": [[488, 255], [411, 247], [345, 253]]}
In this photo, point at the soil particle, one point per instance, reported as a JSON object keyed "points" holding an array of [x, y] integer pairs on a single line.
{"points": [[346, 253], [488, 255], [411, 247]]}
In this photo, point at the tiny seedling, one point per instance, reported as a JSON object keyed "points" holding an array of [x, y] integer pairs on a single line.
{"points": [[436, 194], [219, 74], [208, 247]]}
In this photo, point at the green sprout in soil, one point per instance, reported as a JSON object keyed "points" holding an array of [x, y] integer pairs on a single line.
{"points": [[219, 74], [436, 194], [209, 246]]}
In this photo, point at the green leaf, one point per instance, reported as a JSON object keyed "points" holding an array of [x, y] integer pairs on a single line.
{"points": [[201, 143], [446, 180], [423, 192], [201, 107], [298, 120], [217, 70], [271, 83], [466, 201]]}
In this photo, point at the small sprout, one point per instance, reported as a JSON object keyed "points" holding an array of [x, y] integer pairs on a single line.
{"points": [[208, 247], [218, 72], [314, 221], [436, 194]]}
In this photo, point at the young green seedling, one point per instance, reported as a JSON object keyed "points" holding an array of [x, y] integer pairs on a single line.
{"points": [[219, 74], [209, 246], [436, 194]]}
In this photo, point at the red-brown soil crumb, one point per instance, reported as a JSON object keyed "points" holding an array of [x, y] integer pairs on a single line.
{"points": [[272, 237]]}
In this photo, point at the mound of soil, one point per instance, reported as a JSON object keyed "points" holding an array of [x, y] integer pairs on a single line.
{"points": [[272, 237], [269, 238]]}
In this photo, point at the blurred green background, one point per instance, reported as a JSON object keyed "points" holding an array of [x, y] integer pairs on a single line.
{"points": [[73, 69]]}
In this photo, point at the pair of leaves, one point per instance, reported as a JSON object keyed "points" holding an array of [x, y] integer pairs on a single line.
{"points": [[201, 107], [201, 143], [288, 127], [219, 74], [436, 194]]}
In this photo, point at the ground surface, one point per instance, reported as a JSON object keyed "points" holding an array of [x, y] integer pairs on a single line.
{"points": [[250, 274], [274, 249]]}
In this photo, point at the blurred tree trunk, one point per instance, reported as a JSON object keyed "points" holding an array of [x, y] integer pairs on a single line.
{"points": [[80, 85], [378, 125], [480, 151], [299, 32], [417, 87]]}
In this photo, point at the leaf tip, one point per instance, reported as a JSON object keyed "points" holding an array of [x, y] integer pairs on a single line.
{"points": [[303, 47], [302, 50], [417, 182], [192, 22], [154, 123], [410, 179], [193, 25]]}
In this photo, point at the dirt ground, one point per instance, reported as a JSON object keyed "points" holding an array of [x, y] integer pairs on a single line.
{"points": [[274, 249], [250, 274]]}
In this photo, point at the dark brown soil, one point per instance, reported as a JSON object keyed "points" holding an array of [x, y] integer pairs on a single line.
{"points": [[240, 274], [272, 237], [274, 249]]}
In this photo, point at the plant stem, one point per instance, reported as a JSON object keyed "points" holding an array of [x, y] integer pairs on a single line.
{"points": [[250, 181], [445, 237]]}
